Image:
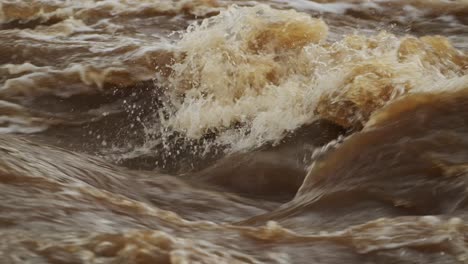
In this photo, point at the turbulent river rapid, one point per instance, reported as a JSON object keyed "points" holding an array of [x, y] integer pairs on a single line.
{"points": [[215, 131]]}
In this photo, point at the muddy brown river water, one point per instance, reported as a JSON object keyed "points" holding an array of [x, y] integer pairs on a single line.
{"points": [[158, 131]]}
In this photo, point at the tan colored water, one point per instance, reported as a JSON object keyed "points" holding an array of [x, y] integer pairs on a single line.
{"points": [[233, 131]]}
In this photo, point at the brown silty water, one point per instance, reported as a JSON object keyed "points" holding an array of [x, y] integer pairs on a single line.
{"points": [[233, 131]]}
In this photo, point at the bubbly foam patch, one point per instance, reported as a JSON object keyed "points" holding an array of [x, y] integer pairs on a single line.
{"points": [[251, 74], [233, 68]]}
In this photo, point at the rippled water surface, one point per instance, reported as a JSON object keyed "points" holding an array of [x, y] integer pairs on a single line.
{"points": [[158, 131]]}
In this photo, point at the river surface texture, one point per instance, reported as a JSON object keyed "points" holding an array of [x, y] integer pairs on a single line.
{"points": [[215, 131]]}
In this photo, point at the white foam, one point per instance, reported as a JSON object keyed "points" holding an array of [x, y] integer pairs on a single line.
{"points": [[225, 82], [305, 5]]}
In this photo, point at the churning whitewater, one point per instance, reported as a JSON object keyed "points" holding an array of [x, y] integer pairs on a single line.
{"points": [[269, 131]]}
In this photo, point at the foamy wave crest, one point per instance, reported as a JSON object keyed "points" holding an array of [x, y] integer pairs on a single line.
{"points": [[233, 69], [16, 119], [45, 10], [251, 74], [378, 8]]}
